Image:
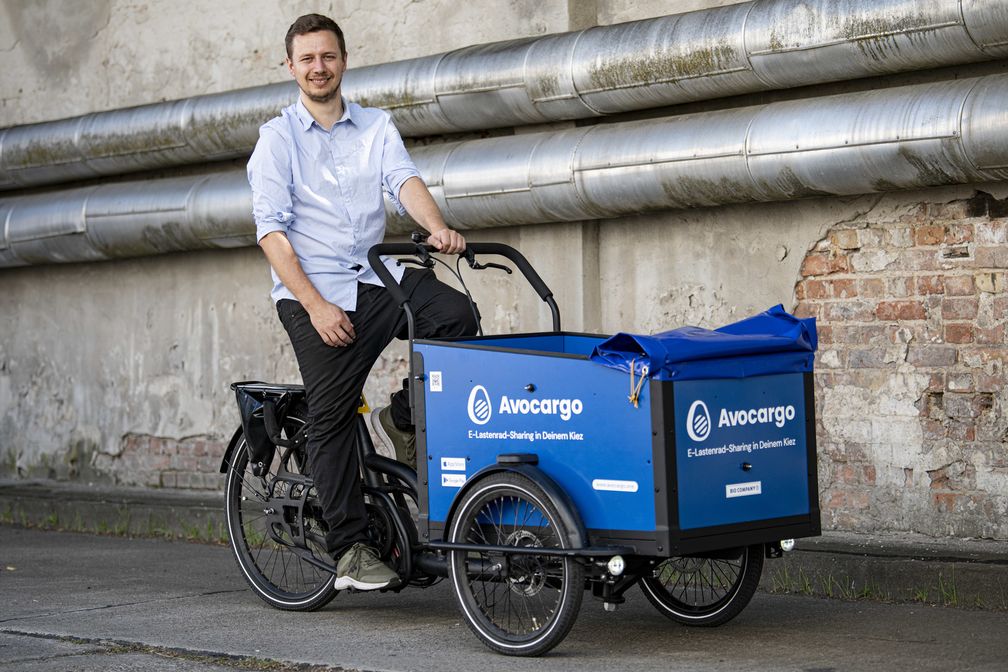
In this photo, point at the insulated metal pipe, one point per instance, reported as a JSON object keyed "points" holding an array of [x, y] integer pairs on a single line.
{"points": [[723, 51], [904, 138], [127, 219], [181, 132]]}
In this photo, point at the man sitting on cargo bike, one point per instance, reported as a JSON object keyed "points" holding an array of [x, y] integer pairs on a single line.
{"points": [[538, 476], [317, 176]]}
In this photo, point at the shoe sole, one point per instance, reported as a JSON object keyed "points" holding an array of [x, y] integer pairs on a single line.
{"points": [[344, 582], [387, 448]]}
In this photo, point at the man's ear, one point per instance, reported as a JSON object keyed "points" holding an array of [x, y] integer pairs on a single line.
{"points": [[290, 65]]}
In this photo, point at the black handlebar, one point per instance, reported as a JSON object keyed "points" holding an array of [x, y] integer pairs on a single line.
{"points": [[374, 259], [422, 250]]}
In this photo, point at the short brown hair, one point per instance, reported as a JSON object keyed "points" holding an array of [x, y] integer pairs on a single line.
{"points": [[313, 23]]}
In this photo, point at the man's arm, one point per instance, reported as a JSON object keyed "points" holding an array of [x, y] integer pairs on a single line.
{"points": [[419, 203], [329, 320], [401, 181], [269, 173]]}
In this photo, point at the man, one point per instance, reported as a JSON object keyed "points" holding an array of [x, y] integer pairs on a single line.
{"points": [[317, 177]]}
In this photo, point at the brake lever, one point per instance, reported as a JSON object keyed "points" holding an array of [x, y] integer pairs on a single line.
{"points": [[470, 258], [425, 262], [422, 253], [491, 264]]}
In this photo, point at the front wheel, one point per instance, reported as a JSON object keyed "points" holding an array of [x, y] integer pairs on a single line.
{"points": [[705, 591], [518, 604]]}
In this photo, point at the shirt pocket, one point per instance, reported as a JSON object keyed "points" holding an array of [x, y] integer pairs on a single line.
{"points": [[350, 153], [319, 179], [357, 176]]}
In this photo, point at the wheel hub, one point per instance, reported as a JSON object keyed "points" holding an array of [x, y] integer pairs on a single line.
{"points": [[527, 576]]}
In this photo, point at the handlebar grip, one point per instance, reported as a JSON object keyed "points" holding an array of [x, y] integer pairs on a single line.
{"points": [[519, 260], [516, 257], [374, 258]]}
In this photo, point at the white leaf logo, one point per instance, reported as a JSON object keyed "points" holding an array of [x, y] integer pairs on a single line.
{"points": [[479, 405], [698, 423]]}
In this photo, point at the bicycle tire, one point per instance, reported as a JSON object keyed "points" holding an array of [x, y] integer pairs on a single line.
{"points": [[275, 573], [540, 595], [705, 592]]}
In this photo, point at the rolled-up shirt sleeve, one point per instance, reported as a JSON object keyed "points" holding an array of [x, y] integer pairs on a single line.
{"points": [[269, 175], [397, 167]]}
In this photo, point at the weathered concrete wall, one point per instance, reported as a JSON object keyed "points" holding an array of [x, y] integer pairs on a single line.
{"points": [[96, 359], [62, 58], [120, 370]]}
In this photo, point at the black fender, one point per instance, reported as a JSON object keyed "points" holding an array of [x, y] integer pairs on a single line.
{"points": [[235, 440], [577, 536]]}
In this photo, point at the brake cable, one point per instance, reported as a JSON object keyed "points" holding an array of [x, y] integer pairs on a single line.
{"points": [[428, 260]]}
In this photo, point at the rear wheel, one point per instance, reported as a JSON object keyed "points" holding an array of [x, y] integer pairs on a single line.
{"points": [[705, 591], [264, 547], [518, 604]]}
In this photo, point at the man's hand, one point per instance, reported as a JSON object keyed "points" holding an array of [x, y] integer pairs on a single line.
{"points": [[329, 320], [419, 203], [447, 241], [332, 324]]}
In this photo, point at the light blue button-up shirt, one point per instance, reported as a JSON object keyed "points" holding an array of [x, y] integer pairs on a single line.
{"points": [[323, 189]]}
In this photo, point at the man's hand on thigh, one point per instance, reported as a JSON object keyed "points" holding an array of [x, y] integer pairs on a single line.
{"points": [[332, 324]]}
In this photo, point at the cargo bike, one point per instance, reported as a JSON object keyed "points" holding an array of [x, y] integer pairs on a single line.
{"points": [[539, 478]]}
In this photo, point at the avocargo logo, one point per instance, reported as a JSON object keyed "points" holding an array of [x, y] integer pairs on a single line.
{"points": [[698, 419], [479, 405], [778, 415], [481, 410]]}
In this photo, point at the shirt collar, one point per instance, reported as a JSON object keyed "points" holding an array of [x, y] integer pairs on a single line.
{"points": [[306, 119]]}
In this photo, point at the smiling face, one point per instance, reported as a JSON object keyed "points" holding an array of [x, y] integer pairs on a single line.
{"points": [[317, 63]]}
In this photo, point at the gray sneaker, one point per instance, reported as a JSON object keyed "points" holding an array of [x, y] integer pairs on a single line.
{"points": [[403, 443], [361, 568]]}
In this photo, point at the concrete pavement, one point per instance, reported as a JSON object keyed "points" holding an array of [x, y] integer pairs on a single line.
{"points": [[87, 602], [894, 567]]}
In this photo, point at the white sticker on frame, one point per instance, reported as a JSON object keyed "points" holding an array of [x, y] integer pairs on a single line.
{"points": [[453, 480], [453, 464], [435, 381]]}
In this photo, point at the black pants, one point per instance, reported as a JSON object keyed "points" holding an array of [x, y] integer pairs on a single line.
{"points": [[334, 379]]}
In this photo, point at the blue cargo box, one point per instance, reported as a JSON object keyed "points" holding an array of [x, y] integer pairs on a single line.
{"points": [[695, 465]]}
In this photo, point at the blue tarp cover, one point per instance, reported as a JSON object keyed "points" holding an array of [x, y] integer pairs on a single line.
{"points": [[772, 342]]}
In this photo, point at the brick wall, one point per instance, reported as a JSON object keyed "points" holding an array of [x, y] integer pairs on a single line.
{"points": [[910, 382], [190, 463]]}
